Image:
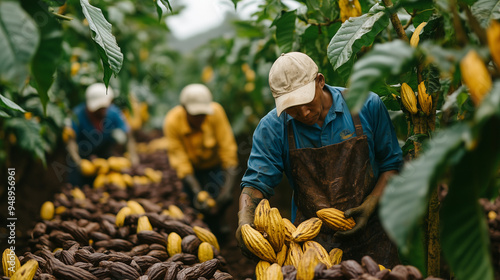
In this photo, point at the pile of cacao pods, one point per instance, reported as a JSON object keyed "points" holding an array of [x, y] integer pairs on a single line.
{"points": [[142, 230], [492, 212], [288, 252]]}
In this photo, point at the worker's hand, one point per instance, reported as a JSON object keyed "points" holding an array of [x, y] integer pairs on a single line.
{"points": [[361, 215], [244, 218], [226, 193]]}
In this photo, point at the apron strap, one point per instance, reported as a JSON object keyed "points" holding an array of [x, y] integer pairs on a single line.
{"points": [[357, 125]]}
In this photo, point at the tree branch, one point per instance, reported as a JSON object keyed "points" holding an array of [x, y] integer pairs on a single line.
{"points": [[396, 23]]}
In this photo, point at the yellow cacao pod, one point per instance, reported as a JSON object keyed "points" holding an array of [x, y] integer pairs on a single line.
{"points": [[381, 267], [205, 252], [493, 35], [336, 255], [87, 168], [47, 211], [202, 196], [174, 243], [100, 181], [135, 207], [211, 202], [321, 252], [257, 244], [128, 180], [118, 163], [143, 224], [153, 175], [116, 179], [77, 194], [273, 272], [424, 99], [281, 255], [307, 230], [10, 262], [305, 270], [121, 215], [289, 229], [294, 254], [261, 215], [335, 219], [59, 210], [206, 236], [475, 76], [207, 74], [415, 38], [349, 8], [175, 212], [492, 215], [67, 134], [275, 229], [408, 98], [260, 269], [26, 272], [101, 165]]}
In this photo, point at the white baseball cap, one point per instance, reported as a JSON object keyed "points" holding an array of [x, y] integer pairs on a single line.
{"points": [[196, 98], [97, 97], [292, 80]]}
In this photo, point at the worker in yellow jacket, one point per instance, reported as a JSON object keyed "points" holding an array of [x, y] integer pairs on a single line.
{"points": [[203, 151]]}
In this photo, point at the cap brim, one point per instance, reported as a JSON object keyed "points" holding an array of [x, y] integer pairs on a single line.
{"points": [[199, 109], [300, 96], [98, 103]]}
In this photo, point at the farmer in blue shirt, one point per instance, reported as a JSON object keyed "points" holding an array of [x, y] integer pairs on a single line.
{"points": [[99, 126], [331, 158]]}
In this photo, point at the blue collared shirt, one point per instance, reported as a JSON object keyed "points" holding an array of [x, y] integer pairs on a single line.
{"points": [[269, 157], [89, 139]]}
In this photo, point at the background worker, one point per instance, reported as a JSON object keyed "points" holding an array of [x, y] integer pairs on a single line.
{"points": [[203, 151], [99, 128], [332, 159]]}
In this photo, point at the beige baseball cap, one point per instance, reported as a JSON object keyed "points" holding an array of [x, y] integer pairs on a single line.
{"points": [[196, 98], [292, 80], [97, 97]]}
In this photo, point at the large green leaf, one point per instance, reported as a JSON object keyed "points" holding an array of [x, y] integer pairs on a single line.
{"points": [[18, 41], [28, 134], [108, 49], [354, 34], [486, 10], [405, 198], [159, 8], [46, 58], [384, 60], [285, 30], [9, 104]]}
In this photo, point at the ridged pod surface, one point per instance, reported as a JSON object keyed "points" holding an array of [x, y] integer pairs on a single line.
{"points": [[273, 272], [307, 230], [408, 98], [27, 271], [135, 207], [322, 254], [47, 210], [424, 99], [349, 8], [335, 219], [174, 241], [143, 224], [260, 269], [336, 255], [261, 215], [294, 254], [206, 236], [475, 76], [281, 255], [257, 244], [10, 262], [275, 229], [121, 215], [205, 252], [415, 37], [305, 270], [289, 229]]}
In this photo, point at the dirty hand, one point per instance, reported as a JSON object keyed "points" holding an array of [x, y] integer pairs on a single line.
{"points": [[361, 215], [244, 218]]}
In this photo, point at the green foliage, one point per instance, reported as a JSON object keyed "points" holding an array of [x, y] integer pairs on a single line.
{"points": [[108, 49], [486, 10], [18, 41]]}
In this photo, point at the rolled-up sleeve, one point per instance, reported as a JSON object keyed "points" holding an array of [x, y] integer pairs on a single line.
{"points": [[265, 164]]}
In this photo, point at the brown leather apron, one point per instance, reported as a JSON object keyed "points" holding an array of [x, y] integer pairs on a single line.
{"points": [[340, 176]]}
